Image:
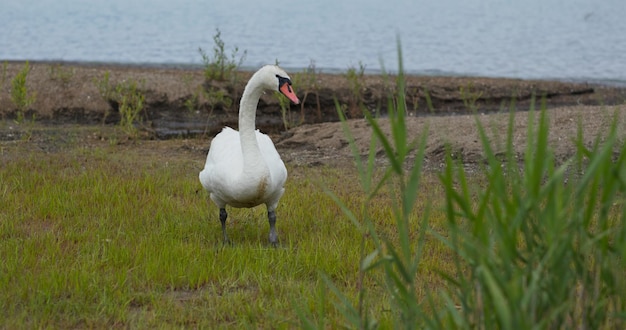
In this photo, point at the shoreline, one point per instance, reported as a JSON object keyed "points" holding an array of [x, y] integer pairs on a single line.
{"points": [[308, 134], [180, 100]]}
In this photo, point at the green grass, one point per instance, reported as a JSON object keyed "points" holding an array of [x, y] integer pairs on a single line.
{"points": [[101, 235], [108, 235]]}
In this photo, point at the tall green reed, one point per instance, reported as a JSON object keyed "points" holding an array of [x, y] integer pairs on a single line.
{"points": [[539, 245], [397, 257], [536, 243]]}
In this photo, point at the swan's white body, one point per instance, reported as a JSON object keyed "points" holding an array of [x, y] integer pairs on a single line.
{"points": [[243, 168], [230, 181]]}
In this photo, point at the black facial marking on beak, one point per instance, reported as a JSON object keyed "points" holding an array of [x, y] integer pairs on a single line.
{"points": [[282, 81]]}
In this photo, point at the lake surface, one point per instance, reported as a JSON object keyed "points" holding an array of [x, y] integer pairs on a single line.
{"points": [[545, 39]]}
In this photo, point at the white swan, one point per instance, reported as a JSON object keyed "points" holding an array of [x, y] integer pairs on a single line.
{"points": [[243, 169]]}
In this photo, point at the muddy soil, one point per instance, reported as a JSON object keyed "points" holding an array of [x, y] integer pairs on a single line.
{"points": [[179, 102]]}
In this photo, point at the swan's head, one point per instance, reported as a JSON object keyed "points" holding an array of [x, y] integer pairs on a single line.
{"points": [[276, 79]]}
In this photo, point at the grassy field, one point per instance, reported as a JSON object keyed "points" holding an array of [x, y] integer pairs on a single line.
{"points": [[98, 232], [101, 235]]}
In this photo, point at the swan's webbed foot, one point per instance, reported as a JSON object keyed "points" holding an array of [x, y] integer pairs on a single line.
{"points": [[223, 216], [271, 216]]}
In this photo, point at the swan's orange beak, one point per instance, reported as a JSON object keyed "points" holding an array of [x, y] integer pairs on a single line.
{"points": [[286, 89]]}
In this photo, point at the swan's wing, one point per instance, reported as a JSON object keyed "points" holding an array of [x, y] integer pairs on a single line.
{"points": [[225, 147], [223, 161], [278, 171], [270, 154]]}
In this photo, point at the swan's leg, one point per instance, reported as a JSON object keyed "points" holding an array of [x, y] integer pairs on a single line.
{"points": [[271, 216], [223, 216]]}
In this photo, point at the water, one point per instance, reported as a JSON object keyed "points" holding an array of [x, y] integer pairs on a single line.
{"points": [[545, 39]]}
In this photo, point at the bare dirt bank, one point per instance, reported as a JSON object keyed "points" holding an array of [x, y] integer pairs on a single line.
{"points": [[69, 94]]}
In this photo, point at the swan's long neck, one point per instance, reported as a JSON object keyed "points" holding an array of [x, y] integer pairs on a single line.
{"points": [[252, 157]]}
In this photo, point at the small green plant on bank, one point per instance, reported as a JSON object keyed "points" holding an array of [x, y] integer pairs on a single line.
{"points": [[3, 76], [59, 73], [131, 102], [537, 244], [193, 101], [470, 96], [218, 98], [418, 93], [128, 99], [307, 82], [104, 86], [105, 89], [215, 98], [284, 103], [429, 101], [20, 96], [220, 74], [355, 80], [220, 67]]}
